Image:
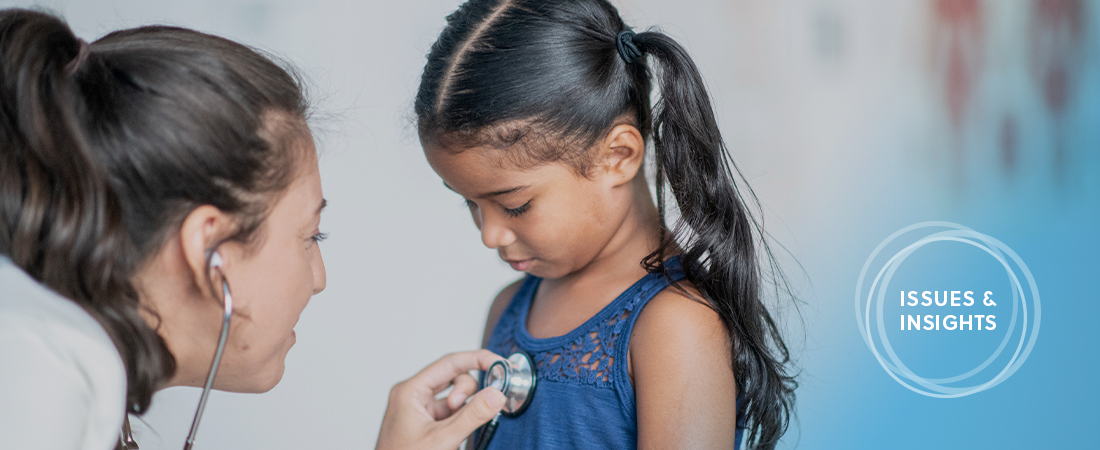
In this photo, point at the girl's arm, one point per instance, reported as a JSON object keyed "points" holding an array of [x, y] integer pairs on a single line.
{"points": [[680, 363]]}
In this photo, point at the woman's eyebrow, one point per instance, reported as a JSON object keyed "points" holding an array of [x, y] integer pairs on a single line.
{"points": [[494, 193], [324, 203]]}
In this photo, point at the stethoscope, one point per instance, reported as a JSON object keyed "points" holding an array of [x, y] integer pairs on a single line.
{"points": [[127, 439], [515, 377]]}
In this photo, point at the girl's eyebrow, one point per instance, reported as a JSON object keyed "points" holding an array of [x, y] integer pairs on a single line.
{"points": [[494, 193]]}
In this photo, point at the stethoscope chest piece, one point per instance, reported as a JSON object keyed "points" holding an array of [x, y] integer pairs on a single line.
{"points": [[515, 377]]}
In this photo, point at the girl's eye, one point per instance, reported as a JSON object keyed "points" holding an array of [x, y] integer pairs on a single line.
{"points": [[517, 211], [319, 237], [470, 204]]}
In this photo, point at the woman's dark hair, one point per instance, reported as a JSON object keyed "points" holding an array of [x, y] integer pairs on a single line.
{"points": [[106, 147], [545, 81]]}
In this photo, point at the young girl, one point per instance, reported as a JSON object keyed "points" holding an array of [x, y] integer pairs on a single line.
{"points": [[538, 113]]}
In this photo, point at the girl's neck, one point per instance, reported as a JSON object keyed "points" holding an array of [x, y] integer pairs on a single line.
{"points": [[618, 264]]}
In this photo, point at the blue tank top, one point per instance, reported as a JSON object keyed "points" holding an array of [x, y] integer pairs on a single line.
{"points": [[583, 397]]}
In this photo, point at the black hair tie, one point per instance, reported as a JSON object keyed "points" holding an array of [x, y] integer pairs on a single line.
{"points": [[627, 50]]}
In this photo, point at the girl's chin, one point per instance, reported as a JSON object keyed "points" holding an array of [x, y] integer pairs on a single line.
{"points": [[546, 272]]}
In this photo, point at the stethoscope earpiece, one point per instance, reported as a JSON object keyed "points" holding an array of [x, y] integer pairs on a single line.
{"points": [[216, 261]]}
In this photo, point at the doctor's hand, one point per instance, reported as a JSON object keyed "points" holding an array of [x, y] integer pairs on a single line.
{"points": [[415, 419]]}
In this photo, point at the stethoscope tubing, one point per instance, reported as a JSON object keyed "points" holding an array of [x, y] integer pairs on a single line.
{"points": [[213, 366], [487, 433]]}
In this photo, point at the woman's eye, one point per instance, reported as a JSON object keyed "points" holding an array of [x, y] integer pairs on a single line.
{"points": [[517, 211], [319, 237], [470, 204]]}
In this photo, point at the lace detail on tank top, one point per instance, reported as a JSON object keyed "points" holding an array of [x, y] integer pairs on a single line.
{"points": [[586, 360]]}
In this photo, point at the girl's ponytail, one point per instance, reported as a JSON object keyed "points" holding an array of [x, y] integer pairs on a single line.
{"points": [[60, 220], [716, 234]]}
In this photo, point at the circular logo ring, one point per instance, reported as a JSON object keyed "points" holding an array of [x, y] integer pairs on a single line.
{"points": [[895, 368]]}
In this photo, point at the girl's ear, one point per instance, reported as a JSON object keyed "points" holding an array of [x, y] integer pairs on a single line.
{"points": [[200, 232], [624, 153]]}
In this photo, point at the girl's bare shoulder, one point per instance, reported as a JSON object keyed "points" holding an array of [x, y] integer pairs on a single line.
{"points": [[500, 303]]}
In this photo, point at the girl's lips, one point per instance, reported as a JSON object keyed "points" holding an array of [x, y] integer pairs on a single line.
{"points": [[520, 266]]}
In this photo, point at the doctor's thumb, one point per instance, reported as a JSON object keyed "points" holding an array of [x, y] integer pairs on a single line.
{"points": [[481, 408]]}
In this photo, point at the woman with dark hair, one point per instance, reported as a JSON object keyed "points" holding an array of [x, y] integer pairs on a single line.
{"points": [[538, 113], [155, 184]]}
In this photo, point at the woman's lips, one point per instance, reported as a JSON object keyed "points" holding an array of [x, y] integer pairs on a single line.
{"points": [[520, 265]]}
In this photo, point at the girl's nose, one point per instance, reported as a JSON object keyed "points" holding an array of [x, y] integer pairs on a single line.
{"points": [[494, 234]]}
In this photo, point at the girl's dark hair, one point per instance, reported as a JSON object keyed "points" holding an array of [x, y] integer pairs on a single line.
{"points": [[105, 148], [545, 81]]}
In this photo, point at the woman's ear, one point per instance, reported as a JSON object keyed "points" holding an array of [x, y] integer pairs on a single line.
{"points": [[201, 230], [624, 153]]}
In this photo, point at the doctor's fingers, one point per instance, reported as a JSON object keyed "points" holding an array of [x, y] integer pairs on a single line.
{"points": [[481, 408], [464, 386], [440, 409], [439, 375]]}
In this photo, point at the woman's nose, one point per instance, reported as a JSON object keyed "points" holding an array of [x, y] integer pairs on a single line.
{"points": [[320, 278]]}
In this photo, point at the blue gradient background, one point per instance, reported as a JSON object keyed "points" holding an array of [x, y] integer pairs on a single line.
{"points": [[850, 119], [907, 164]]}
